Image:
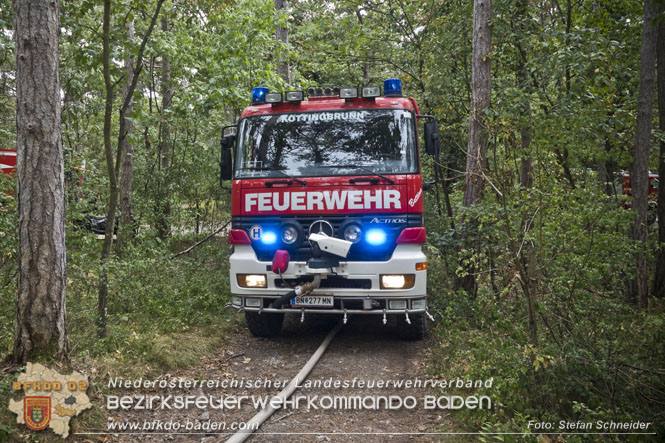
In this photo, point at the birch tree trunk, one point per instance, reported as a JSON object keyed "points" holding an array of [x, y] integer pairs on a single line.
{"points": [[40, 327]]}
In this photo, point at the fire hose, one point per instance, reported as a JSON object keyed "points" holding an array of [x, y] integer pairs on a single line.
{"points": [[263, 415]]}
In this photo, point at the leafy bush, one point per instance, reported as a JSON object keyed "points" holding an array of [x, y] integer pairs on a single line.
{"points": [[597, 357], [150, 295]]}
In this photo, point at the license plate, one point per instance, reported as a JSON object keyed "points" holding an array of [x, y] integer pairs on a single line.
{"points": [[312, 300]]}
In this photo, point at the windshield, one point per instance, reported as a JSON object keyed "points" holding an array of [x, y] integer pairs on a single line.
{"points": [[327, 143]]}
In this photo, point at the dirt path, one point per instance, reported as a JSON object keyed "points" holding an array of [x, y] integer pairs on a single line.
{"points": [[364, 349]]}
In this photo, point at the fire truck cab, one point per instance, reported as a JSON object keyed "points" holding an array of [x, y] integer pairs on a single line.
{"points": [[327, 206]]}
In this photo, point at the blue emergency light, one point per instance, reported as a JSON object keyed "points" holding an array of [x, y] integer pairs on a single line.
{"points": [[259, 95], [392, 87], [269, 238], [375, 237]]}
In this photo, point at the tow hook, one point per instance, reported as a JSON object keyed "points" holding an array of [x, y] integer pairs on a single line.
{"points": [[303, 289]]}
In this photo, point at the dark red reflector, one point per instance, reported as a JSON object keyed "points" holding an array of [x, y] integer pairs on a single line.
{"points": [[280, 261], [239, 237], [412, 235]]}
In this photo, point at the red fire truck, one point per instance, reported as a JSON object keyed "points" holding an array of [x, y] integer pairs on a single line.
{"points": [[652, 214], [327, 206], [7, 173], [8, 161]]}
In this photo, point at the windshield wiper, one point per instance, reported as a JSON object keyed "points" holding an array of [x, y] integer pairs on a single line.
{"points": [[302, 182], [362, 168]]}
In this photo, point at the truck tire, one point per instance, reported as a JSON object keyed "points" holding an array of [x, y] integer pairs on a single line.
{"points": [[413, 331], [265, 324]]}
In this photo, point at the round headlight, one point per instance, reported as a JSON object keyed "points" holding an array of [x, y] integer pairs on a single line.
{"points": [[289, 235], [352, 233]]}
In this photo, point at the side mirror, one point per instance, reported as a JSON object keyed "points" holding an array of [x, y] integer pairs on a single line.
{"points": [[428, 185], [226, 160], [432, 138]]}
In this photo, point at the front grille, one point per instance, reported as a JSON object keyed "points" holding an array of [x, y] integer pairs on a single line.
{"points": [[358, 252], [330, 282]]}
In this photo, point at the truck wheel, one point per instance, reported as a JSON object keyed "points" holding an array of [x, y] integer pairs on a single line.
{"points": [[265, 324], [413, 331]]}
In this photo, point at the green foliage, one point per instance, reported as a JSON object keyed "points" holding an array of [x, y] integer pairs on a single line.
{"points": [[152, 298], [596, 359], [7, 82]]}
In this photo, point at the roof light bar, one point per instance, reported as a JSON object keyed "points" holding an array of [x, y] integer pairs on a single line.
{"points": [[348, 93], [328, 91], [295, 96], [259, 95], [371, 91], [392, 87], [274, 97]]}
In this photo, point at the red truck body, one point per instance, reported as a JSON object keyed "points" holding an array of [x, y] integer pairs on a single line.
{"points": [[653, 186], [8, 161]]}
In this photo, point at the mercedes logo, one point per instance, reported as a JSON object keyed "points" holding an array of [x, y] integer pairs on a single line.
{"points": [[321, 227]]}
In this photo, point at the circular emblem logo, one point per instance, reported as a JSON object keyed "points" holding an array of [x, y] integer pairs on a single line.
{"points": [[321, 227], [255, 232]]}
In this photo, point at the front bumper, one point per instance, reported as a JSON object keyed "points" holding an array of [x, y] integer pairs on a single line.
{"points": [[369, 300]]}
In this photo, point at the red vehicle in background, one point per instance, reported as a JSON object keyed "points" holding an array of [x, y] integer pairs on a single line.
{"points": [[653, 194], [7, 176], [8, 161]]}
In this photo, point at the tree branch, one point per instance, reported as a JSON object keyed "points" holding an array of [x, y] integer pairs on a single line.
{"points": [[188, 250]]}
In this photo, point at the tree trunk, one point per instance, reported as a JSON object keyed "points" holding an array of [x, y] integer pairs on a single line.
{"points": [[359, 15], [639, 174], [282, 35], [126, 228], [102, 296], [163, 204], [40, 328], [562, 153], [480, 102], [445, 185], [112, 165], [528, 260], [659, 280], [481, 71]]}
